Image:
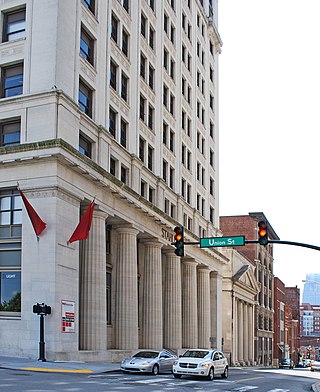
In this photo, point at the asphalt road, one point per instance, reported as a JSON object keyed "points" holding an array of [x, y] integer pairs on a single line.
{"points": [[240, 380]]}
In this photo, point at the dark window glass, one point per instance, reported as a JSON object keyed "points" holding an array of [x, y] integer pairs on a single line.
{"points": [[125, 5], [10, 133], [85, 98], [113, 75], [142, 107], [142, 66], [143, 25], [85, 146], [114, 28], [123, 174], [141, 149], [112, 122], [12, 81], [123, 133], [124, 87], [112, 166], [150, 157], [86, 47], [125, 43], [10, 291], [14, 25], [151, 77]]}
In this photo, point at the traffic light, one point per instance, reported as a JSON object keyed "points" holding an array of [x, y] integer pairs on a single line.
{"points": [[262, 233], [179, 241]]}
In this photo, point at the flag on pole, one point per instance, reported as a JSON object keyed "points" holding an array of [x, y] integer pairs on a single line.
{"points": [[38, 224], [82, 230]]}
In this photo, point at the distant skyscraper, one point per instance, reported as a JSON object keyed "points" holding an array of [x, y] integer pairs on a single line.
{"points": [[311, 290]]}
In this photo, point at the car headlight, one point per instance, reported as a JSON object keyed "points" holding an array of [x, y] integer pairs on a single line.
{"points": [[175, 363], [204, 364]]}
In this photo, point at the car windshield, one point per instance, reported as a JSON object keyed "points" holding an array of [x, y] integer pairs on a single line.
{"points": [[197, 354], [146, 354], [286, 360]]}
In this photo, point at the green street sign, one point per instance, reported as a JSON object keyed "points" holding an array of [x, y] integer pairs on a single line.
{"points": [[222, 241]]}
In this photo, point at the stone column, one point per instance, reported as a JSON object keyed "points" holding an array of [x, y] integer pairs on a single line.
{"points": [[203, 307], [151, 326], [245, 333], [250, 334], [240, 332], [235, 336], [126, 292], [216, 307], [172, 334], [92, 291], [189, 304]]}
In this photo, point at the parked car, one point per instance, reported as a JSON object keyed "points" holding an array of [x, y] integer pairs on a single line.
{"points": [[149, 361], [201, 362], [314, 365], [286, 363]]}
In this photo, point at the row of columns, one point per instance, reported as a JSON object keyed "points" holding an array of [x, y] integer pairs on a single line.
{"points": [[244, 330], [179, 303]]}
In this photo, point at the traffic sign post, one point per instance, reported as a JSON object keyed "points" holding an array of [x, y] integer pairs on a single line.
{"points": [[222, 241]]}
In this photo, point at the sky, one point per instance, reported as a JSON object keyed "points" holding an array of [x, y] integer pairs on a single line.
{"points": [[269, 123]]}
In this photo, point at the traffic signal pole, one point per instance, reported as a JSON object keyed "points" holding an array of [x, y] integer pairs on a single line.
{"points": [[286, 243]]}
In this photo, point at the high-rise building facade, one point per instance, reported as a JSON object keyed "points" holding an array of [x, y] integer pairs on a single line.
{"points": [[311, 289], [116, 102]]}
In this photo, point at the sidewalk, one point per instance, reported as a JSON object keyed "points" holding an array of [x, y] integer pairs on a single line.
{"points": [[57, 366]]}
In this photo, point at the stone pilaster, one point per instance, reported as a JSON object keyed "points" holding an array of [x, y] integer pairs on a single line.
{"points": [[203, 307], [172, 334], [189, 304], [245, 333], [92, 325], [240, 331], [250, 334], [126, 293], [151, 328], [216, 307]]}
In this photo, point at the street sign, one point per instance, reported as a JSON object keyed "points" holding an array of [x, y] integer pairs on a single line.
{"points": [[222, 241]]}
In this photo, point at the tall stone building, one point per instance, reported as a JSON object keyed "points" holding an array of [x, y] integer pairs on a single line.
{"points": [[262, 259], [113, 101]]}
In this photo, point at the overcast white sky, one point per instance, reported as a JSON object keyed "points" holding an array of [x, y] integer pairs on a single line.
{"points": [[270, 123]]}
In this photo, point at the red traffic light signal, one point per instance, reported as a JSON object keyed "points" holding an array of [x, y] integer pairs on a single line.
{"points": [[179, 241], [263, 233]]}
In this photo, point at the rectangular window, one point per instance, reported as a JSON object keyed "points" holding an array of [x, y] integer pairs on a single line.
{"points": [[113, 166], [151, 77], [142, 107], [123, 133], [164, 170], [123, 174], [150, 117], [86, 46], [10, 133], [112, 122], [142, 144], [85, 98], [143, 189], [14, 25], [85, 146], [125, 5], [143, 25], [150, 158], [125, 43], [171, 140], [151, 37], [12, 80], [114, 28], [124, 87], [171, 177], [113, 75], [165, 96], [151, 194], [142, 66]]}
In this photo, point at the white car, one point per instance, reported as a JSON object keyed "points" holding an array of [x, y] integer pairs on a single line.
{"points": [[201, 362], [315, 365]]}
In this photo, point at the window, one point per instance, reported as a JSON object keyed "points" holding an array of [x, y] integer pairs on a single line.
{"points": [[85, 146], [125, 43], [143, 24], [85, 98], [112, 122], [14, 25], [113, 75], [142, 144], [142, 107], [165, 59], [151, 37], [151, 194], [10, 133], [125, 4], [164, 170], [151, 77], [10, 251], [150, 158], [171, 140], [113, 166], [142, 66], [114, 28], [124, 87], [12, 81], [90, 4], [143, 189], [171, 177], [123, 132], [123, 174], [86, 46], [150, 117]]}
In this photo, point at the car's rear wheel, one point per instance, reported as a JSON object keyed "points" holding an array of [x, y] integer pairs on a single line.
{"points": [[225, 373], [211, 374], [177, 375], [155, 370]]}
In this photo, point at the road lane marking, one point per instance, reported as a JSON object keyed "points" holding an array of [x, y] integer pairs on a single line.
{"points": [[52, 370]]}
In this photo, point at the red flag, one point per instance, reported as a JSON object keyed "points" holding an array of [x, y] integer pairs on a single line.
{"points": [[82, 230], [38, 224]]}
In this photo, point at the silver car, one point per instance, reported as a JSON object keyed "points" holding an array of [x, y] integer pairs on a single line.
{"points": [[149, 361], [201, 362]]}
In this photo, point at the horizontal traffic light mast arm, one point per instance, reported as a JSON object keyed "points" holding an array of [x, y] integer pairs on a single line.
{"points": [[286, 243]]}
